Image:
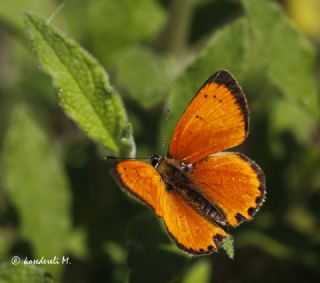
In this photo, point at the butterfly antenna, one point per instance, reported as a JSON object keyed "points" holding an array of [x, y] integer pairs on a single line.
{"points": [[59, 8], [165, 130]]}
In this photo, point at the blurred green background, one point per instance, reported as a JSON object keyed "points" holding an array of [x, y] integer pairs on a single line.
{"points": [[57, 197]]}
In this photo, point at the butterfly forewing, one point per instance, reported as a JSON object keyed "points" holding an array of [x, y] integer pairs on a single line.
{"points": [[216, 119]]}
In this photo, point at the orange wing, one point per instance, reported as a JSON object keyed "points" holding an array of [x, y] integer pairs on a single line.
{"points": [[233, 182], [142, 181], [216, 119], [188, 229]]}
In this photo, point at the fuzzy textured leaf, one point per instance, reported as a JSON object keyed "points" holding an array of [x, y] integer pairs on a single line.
{"points": [[83, 86], [228, 246]]}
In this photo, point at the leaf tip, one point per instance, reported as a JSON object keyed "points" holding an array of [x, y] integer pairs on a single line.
{"points": [[127, 146], [228, 246]]}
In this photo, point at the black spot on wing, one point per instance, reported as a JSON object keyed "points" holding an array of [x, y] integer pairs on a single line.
{"points": [[251, 211], [240, 218], [199, 117]]}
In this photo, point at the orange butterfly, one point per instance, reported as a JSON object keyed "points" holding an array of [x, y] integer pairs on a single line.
{"points": [[196, 189]]}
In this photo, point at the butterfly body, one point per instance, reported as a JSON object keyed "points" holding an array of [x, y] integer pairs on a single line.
{"points": [[196, 189], [177, 180], [173, 173]]}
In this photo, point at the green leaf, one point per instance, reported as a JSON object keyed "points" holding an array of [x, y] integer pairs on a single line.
{"points": [[143, 76], [119, 24], [280, 249], [83, 86], [76, 243], [228, 246], [224, 50], [267, 243], [286, 115], [283, 54], [199, 272], [37, 186], [116, 253], [23, 274], [11, 12], [118, 256]]}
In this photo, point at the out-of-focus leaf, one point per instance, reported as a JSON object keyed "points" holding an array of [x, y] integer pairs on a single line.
{"points": [[224, 50], [286, 115], [118, 256], [199, 272], [118, 24], [284, 55], [83, 86], [267, 243], [301, 219], [21, 273], [12, 12], [145, 242], [278, 249], [37, 186], [76, 243], [143, 76], [116, 252]]}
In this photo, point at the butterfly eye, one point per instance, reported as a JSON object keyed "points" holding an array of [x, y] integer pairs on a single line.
{"points": [[155, 159], [186, 167]]}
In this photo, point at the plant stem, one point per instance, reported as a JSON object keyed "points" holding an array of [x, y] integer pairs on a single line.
{"points": [[174, 38]]}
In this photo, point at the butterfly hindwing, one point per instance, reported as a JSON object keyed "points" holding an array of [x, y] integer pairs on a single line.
{"points": [[188, 229], [216, 119], [233, 182]]}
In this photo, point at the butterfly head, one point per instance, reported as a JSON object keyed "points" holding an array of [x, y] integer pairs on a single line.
{"points": [[155, 160]]}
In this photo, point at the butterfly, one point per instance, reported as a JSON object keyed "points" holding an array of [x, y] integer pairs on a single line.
{"points": [[197, 190]]}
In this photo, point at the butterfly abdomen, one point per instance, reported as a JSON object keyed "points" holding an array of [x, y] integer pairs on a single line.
{"points": [[176, 179]]}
